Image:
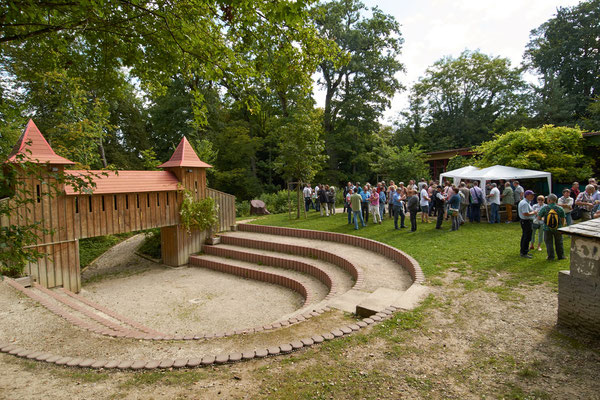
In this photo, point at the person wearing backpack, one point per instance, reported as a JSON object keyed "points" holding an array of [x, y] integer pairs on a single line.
{"points": [[554, 217]]}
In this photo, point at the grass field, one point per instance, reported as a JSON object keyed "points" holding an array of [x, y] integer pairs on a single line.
{"points": [[481, 248]]}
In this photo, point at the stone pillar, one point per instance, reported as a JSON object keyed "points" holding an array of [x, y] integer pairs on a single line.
{"points": [[579, 288]]}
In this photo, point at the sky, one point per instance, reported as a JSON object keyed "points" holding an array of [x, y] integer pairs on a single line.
{"points": [[433, 29]]}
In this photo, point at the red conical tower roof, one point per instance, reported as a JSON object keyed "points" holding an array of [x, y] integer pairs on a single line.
{"points": [[185, 156], [34, 148]]}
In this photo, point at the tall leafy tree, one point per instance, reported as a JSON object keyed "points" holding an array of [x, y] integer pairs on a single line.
{"points": [[360, 83], [464, 99], [565, 51]]}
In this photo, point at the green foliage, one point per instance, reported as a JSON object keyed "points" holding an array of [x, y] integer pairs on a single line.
{"points": [[151, 244], [277, 203], [200, 214], [400, 164], [557, 150], [92, 248], [242, 208], [564, 51], [300, 146], [462, 100], [458, 161]]}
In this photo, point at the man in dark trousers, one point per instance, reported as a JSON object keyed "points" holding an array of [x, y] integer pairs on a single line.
{"points": [[438, 201], [526, 214], [413, 207]]}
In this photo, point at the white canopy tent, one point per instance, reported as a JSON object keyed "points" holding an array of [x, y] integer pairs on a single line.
{"points": [[495, 173]]}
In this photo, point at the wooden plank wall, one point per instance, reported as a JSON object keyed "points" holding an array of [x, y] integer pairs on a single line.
{"points": [[65, 219], [226, 204]]}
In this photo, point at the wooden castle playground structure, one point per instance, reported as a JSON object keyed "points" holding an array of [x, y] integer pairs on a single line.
{"points": [[122, 201]]}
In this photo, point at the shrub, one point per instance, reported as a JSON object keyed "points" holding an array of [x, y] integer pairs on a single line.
{"points": [[242, 208], [151, 244]]}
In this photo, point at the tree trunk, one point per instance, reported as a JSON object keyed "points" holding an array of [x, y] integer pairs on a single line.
{"points": [[102, 154]]}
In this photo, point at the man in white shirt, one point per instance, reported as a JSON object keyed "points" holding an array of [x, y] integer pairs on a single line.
{"points": [[424, 203], [526, 214], [307, 192], [494, 200]]}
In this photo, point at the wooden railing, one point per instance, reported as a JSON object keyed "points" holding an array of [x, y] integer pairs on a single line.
{"points": [[226, 204]]}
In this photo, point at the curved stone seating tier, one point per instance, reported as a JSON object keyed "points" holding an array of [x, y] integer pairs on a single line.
{"points": [[304, 251], [406, 261], [251, 273], [262, 259], [85, 314]]}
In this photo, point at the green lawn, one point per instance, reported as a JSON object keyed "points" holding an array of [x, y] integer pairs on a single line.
{"points": [[478, 249]]}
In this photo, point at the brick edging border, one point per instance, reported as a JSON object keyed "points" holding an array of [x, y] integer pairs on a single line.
{"points": [[226, 358], [406, 261], [131, 334]]}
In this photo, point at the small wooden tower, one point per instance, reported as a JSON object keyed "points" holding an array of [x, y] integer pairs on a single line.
{"points": [[176, 243]]}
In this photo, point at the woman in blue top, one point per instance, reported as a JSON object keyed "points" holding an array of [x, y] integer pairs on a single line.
{"points": [[453, 208]]}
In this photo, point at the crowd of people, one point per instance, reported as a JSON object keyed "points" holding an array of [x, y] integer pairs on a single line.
{"points": [[541, 216]]}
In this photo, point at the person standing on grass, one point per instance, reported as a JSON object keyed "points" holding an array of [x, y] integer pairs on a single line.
{"points": [[413, 207], [586, 202], [537, 225], [365, 194], [390, 193], [553, 216], [346, 191], [348, 204], [494, 199], [465, 201], [476, 202], [355, 204], [307, 193], [454, 205], [382, 202], [508, 199], [398, 207], [331, 200], [526, 214], [323, 200], [424, 203], [438, 202], [566, 202], [374, 206]]}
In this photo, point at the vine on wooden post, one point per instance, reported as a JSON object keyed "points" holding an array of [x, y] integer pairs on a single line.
{"points": [[200, 214]]}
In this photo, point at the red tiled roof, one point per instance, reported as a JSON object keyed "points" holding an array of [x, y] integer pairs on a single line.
{"points": [[126, 181], [34, 148], [185, 156]]}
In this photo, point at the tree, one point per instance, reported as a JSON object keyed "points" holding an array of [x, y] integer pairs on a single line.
{"points": [[301, 147], [104, 46], [359, 83], [457, 162], [400, 163], [565, 51], [557, 150], [463, 99]]}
